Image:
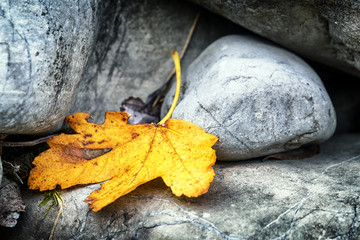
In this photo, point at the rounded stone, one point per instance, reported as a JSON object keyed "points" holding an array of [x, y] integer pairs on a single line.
{"points": [[44, 47], [324, 31], [257, 98]]}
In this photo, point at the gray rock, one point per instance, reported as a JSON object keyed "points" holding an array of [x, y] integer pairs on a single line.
{"points": [[132, 58], [44, 47], [257, 98], [61, 57], [132, 53], [326, 31], [314, 198]]}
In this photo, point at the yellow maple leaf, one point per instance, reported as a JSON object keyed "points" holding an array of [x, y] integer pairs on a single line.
{"points": [[177, 151]]}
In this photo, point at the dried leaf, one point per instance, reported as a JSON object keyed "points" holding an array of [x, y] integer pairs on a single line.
{"points": [[11, 203], [180, 152], [140, 113]]}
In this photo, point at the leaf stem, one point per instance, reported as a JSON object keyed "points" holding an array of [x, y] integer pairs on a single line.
{"points": [[176, 59], [187, 41]]}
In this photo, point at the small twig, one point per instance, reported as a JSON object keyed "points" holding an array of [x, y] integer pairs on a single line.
{"points": [[27, 143], [60, 210], [14, 170], [57, 199], [171, 74], [187, 41]]}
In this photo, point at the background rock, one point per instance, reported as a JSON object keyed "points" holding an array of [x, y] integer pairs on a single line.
{"points": [[314, 198], [37, 101], [105, 51], [257, 98], [251, 199], [325, 31], [132, 52], [44, 47]]}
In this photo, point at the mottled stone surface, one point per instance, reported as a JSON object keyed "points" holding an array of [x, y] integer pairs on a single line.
{"points": [[131, 56], [61, 57], [257, 98], [326, 31], [132, 52], [314, 198], [44, 47]]}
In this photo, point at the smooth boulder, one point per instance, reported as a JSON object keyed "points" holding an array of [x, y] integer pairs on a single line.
{"points": [[325, 31], [257, 98], [44, 47]]}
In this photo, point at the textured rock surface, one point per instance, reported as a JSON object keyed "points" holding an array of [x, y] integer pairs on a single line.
{"points": [[257, 98], [131, 56], [106, 50], [326, 31], [44, 47], [315, 198]]}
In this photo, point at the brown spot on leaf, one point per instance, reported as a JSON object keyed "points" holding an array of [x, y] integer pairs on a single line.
{"points": [[85, 143], [87, 153], [134, 135]]}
